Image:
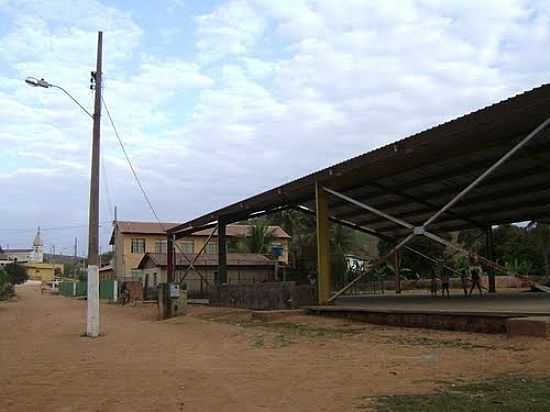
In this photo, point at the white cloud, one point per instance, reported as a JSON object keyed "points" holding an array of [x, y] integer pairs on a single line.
{"points": [[232, 29], [273, 90]]}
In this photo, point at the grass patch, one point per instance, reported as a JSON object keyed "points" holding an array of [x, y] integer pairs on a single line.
{"points": [[500, 394], [443, 343], [259, 341], [283, 330]]}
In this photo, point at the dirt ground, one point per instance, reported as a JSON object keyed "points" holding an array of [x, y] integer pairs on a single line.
{"points": [[218, 360]]}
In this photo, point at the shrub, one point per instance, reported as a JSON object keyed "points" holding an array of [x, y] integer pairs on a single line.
{"points": [[17, 274]]}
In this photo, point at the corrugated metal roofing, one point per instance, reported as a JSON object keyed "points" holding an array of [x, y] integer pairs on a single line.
{"points": [[414, 177]]}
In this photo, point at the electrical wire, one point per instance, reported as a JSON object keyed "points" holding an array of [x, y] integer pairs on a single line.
{"points": [[48, 229], [140, 185], [105, 186]]}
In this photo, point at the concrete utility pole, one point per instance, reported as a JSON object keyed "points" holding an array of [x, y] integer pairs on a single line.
{"points": [[92, 318]]}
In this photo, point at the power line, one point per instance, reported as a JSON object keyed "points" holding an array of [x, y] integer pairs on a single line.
{"points": [[137, 178], [105, 186], [48, 229], [141, 188]]}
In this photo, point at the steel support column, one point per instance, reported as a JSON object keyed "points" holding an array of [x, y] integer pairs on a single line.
{"points": [[372, 232], [490, 252], [323, 257], [397, 267], [167, 312], [170, 258], [222, 254]]}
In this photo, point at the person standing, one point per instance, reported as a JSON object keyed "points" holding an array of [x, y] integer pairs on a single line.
{"points": [[444, 276], [464, 280], [434, 283], [475, 274]]}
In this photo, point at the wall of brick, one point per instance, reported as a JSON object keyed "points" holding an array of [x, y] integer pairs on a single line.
{"points": [[264, 296]]}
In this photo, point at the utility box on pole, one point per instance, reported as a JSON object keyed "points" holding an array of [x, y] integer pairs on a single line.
{"points": [[172, 300]]}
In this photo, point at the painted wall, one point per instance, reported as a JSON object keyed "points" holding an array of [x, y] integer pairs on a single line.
{"points": [[243, 276], [42, 271], [124, 261]]}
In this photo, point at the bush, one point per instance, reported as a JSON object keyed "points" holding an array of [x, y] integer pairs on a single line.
{"points": [[6, 287], [17, 274]]}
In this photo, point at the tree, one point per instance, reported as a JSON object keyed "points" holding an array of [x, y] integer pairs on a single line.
{"points": [[6, 287], [259, 239], [17, 274], [415, 262]]}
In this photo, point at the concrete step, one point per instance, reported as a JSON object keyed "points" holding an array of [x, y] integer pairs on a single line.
{"points": [[269, 315], [538, 326]]}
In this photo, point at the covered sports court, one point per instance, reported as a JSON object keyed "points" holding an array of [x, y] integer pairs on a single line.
{"points": [[485, 168]]}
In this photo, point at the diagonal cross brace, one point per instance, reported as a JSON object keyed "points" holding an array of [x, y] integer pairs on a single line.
{"points": [[452, 202], [192, 263]]}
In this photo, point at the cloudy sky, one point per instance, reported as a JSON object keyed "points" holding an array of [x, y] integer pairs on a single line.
{"points": [[220, 100]]}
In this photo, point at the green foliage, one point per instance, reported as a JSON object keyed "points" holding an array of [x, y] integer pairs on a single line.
{"points": [[6, 287], [17, 274], [259, 239], [524, 250], [419, 266], [106, 257], [301, 247], [523, 267], [501, 394]]}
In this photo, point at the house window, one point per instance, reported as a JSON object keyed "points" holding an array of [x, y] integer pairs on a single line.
{"points": [[211, 248], [138, 246], [161, 246], [136, 274], [186, 246]]}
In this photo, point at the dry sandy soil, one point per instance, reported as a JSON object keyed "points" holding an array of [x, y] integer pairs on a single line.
{"points": [[218, 360]]}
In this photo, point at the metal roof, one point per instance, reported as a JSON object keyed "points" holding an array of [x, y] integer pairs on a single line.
{"points": [[414, 177]]}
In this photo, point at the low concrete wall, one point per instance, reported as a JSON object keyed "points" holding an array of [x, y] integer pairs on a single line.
{"points": [[530, 326], [263, 296], [471, 322]]}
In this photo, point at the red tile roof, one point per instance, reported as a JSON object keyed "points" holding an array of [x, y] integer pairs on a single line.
{"points": [[233, 259], [152, 228]]}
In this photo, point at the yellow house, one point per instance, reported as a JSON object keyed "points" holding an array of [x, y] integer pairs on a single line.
{"points": [[43, 271], [131, 240]]}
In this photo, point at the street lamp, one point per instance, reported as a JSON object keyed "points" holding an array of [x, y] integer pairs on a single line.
{"points": [[34, 82], [92, 314]]}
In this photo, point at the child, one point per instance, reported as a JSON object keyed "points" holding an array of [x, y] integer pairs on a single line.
{"points": [[434, 285], [445, 283], [464, 281], [475, 274]]}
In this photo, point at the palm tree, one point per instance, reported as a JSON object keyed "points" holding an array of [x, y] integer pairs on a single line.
{"points": [[259, 239], [542, 239]]}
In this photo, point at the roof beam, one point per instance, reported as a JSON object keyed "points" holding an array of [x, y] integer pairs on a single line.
{"points": [[480, 213], [510, 179], [502, 195]]}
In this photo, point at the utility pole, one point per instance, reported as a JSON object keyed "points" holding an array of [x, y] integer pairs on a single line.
{"points": [[92, 318], [76, 265]]}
